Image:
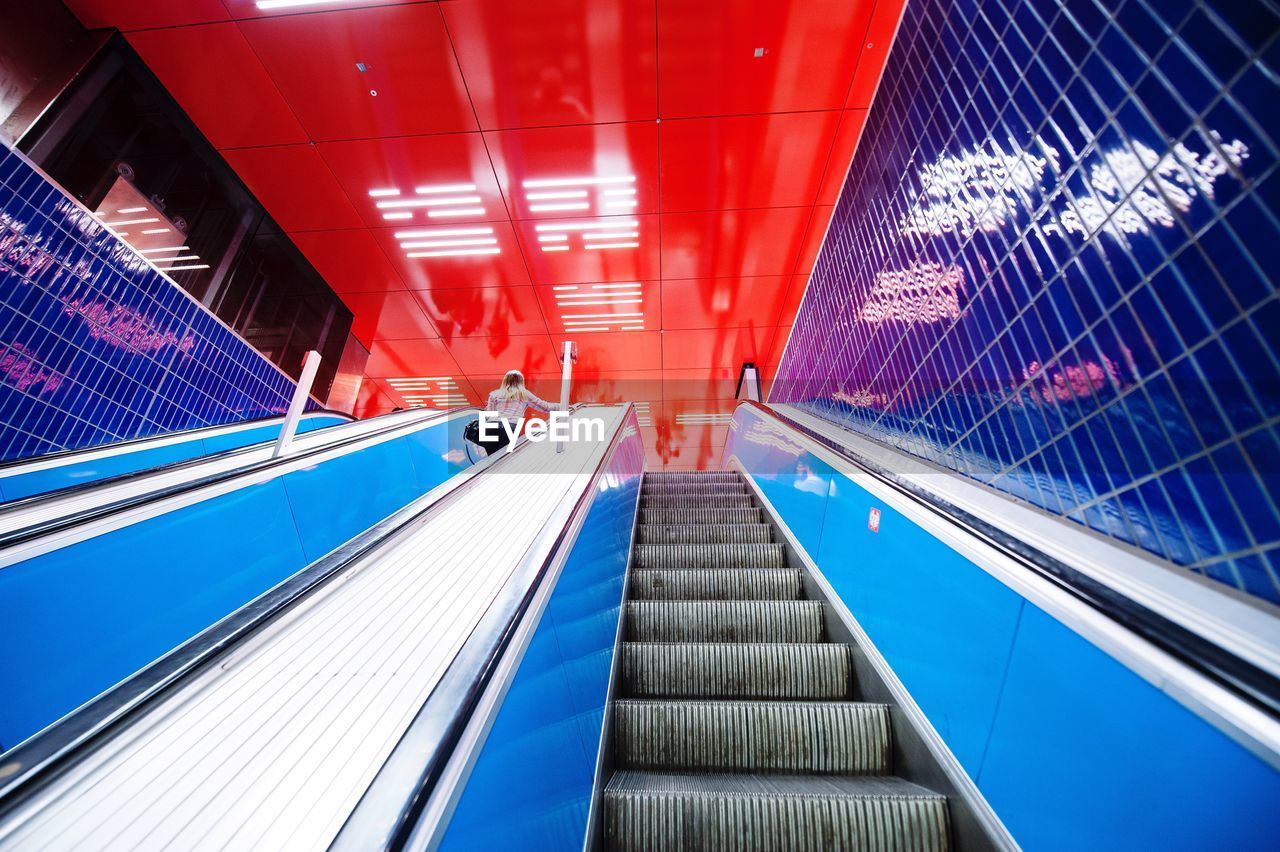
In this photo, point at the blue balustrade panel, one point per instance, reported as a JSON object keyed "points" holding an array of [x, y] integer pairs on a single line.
{"points": [[532, 782], [98, 346], [1053, 269], [18, 483], [77, 620], [1071, 749]]}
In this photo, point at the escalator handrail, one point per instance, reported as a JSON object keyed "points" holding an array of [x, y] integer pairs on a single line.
{"points": [[185, 434], [23, 535], [473, 668], [42, 758], [1259, 688]]}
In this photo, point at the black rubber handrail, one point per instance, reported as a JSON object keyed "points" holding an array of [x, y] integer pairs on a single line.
{"points": [[58, 524], [1259, 688], [188, 433], [40, 759]]}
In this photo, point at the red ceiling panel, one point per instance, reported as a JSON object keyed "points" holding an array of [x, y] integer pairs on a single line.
{"points": [[556, 62], [585, 170], [815, 233], [411, 84], [236, 107], [141, 14], [447, 257], [573, 307], [733, 57], [873, 52], [669, 252], [391, 315], [603, 249], [372, 400], [728, 347], [614, 351], [422, 357], [423, 180], [744, 161], [495, 355], [732, 243], [723, 302], [846, 142], [296, 186], [350, 261], [493, 312]]}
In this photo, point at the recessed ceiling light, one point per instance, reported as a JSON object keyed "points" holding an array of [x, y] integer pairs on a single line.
{"points": [[150, 231], [552, 238], [547, 208], [167, 249], [442, 232], [612, 245], [578, 181], [393, 217], [383, 193], [436, 188], [587, 226], [193, 266], [548, 196], [611, 235], [470, 241], [428, 202], [132, 210], [555, 248]]}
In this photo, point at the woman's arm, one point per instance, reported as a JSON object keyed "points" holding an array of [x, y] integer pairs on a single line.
{"points": [[539, 403]]}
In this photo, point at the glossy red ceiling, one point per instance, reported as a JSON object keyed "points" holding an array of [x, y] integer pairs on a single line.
{"points": [[711, 137]]}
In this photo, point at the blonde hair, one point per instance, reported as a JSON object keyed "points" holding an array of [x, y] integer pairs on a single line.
{"points": [[512, 386]]}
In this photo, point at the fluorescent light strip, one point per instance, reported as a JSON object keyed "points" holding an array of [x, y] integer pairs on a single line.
{"points": [[548, 208], [455, 211], [612, 245], [606, 302], [169, 248], [599, 316], [458, 253], [552, 238], [578, 181], [587, 226], [445, 187], [474, 241], [611, 235], [391, 217], [383, 193], [419, 379], [565, 287], [591, 329], [271, 5], [123, 210], [133, 222], [429, 202], [193, 266], [555, 248], [442, 232], [150, 231], [633, 291], [629, 286], [550, 196]]}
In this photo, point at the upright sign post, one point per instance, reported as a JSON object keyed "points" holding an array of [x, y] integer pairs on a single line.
{"points": [[566, 377], [309, 366]]}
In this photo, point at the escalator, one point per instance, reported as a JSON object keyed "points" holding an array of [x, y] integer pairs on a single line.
{"points": [[739, 725]]}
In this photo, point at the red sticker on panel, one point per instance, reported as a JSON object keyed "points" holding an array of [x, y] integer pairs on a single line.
{"points": [[873, 521]]}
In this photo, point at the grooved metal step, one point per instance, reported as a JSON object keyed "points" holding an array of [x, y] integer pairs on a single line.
{"points": [[694, 476], [695, 488], [710, 556], [724, 621], [673, 812], [825, 737], [704, 534], [722, 584], [649, 515], [696, 501], [735, 670]]}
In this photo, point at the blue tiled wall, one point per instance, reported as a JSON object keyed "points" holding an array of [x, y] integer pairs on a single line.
{"points": [[96, 345], [1053, 268]]}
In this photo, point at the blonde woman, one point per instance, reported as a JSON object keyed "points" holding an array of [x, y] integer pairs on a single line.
{"points": [[510, 400]]}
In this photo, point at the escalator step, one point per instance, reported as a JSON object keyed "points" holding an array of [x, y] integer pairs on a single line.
{"points": [[694, 476], [736, 670], [710, 556], [704, 534], [696, 501], [724, 621], [814, 737], [652, 811], [654, 489], [725, 584], [649, 515]]}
